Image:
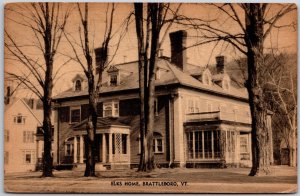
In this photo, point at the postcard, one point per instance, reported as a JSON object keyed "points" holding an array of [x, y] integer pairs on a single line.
{"points": [[150, 97]]}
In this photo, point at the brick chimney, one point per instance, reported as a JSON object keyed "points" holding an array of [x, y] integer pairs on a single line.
{"points": [[101, 56], [178, 49], [220, 64]]}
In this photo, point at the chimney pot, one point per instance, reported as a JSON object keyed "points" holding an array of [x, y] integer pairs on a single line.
{"points": [[178, 49]]}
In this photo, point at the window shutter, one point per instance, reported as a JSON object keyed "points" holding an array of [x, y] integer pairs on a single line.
{"points": [[64, 113], [100, 109], [84, 111], [129, 107]]}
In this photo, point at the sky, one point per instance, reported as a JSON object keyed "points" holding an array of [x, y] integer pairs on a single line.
{"points": [[285, 39]]}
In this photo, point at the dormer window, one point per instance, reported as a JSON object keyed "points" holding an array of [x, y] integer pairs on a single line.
{"points": [[114, 76], [113, 79], [79, 82], [78, 85]]}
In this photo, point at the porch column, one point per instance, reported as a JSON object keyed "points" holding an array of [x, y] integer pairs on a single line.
{"points": [[81, 149], [110, 147], [75, 150], [103, 148], [250, 147], [128, 147], [226, 146], [37, 152], [237, 148]]}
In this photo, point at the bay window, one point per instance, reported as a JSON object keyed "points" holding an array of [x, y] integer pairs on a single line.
{"points": [[111, 109]]}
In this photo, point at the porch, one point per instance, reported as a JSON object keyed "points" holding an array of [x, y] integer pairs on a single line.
{"points": [[213, 138], [112, 146]]}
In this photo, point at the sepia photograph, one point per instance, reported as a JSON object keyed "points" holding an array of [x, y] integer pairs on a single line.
{"points": [[150, 97]]}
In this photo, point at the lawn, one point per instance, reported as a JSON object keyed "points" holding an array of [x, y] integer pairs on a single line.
{"points": [[230, 180]]}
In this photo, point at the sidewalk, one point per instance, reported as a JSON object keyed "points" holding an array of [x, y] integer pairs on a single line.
{"points": [[233, 180]]}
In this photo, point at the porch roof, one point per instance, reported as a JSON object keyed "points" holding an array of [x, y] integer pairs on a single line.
{"points": [[105, 122]]}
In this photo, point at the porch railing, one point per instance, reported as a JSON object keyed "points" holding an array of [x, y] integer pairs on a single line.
{"points": [[218, 115]]}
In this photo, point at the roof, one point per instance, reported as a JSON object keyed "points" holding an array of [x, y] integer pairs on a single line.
{"points": [[171, 75], [105, 122]]}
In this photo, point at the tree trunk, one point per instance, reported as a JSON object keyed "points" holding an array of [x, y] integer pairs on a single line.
{"points": [[147, 79], [47, 99], [260, 133], [47, 127], [91, 127]]}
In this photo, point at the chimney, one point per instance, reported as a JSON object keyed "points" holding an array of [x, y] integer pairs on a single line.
{"points": [[178, 48], [220, 64], [101, 58], [8, 95]]}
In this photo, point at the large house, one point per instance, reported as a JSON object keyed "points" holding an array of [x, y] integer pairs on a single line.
{"points": [[201, 118], [23, 148]]}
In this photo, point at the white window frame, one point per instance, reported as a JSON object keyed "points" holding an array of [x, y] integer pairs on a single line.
{"points": [[72, 109], [155, 143], [32, 157], [28, 137], [247, 144], [115, 111], [23, 118]]}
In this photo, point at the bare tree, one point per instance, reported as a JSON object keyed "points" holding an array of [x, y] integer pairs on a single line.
{"points": [[281, 89], [248, 40], [148, 37], [94, 78], [46, 21]]}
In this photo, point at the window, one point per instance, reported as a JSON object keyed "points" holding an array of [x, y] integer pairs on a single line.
{"points": [[69, 146], [243, 144], [203, 144], [75, 114], [111, 109], [19, 119], [28, 156], [124, 143], [113, 79], [6, 135], [6, 157], [28, 136], [157, 143], [78, 85], [244, 148]]}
